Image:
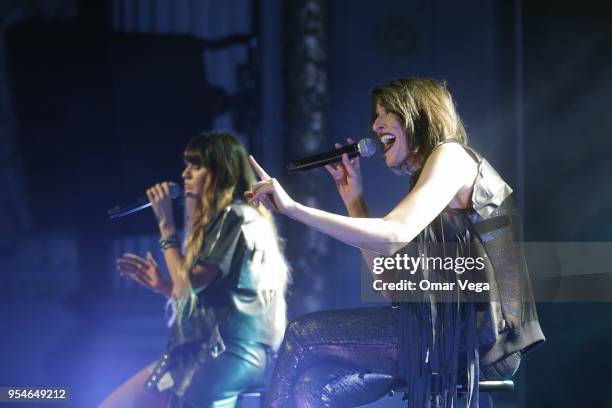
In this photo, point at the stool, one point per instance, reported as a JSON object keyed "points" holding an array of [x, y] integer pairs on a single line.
{"points": [[483, 386], [257, 395], [252, 397], [488, 387]]}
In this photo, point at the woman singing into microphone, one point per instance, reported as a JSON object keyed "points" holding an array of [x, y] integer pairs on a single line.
{"points": [[227, 286], [352, 357]]}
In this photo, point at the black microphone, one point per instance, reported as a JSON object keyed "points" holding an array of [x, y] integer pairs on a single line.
{"points": [[143, 202], [365, 148]]}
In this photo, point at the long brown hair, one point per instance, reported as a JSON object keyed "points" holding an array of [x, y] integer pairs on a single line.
{"points": [[230, 177], [426, 109]]}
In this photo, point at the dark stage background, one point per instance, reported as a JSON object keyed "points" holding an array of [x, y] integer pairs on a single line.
{"points": [[96, 105]]}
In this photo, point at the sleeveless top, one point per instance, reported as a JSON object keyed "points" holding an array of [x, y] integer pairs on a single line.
{"points": [[487, 328]]}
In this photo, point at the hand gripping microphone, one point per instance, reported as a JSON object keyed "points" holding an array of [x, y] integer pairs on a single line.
{"points": [[142, 203], [365, 147]]}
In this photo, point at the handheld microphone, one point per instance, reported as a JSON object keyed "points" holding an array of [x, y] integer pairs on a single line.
{"points": [[365, 147], [142, 203]]}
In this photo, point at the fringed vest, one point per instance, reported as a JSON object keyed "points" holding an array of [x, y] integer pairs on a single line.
{"points": [[444, 342]]}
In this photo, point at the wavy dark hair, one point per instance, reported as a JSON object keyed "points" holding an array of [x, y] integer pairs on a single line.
{"points": [[426, 109]]}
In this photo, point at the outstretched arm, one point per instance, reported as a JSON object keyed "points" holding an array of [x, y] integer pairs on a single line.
{"points": [[445, 172]]}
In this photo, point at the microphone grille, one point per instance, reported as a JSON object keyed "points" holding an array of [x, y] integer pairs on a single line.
{"points": [[175, 190], [367, 147]]}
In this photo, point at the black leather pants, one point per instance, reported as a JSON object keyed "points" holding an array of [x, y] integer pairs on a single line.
{"points": [[342, 358]]}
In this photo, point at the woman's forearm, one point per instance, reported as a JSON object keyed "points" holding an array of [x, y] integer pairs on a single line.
{"points": [[359, 232], [359, 209], [166, 289], [174, 260], [174, 263]]}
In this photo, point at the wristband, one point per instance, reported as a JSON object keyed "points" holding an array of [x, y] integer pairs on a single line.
{"points": [[171, 241]]}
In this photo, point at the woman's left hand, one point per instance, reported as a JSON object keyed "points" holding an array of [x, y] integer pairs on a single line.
{"points": [[144, 272], [268, 192]]}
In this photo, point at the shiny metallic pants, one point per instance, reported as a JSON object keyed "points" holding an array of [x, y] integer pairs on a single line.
{"points": [[342, 358], [217, 382]]}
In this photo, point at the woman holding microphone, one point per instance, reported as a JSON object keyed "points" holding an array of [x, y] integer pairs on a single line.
{"points": [[226, 288], [347, 358]]}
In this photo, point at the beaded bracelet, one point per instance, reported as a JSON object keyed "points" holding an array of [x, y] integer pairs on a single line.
{"points": [[171, 241]]}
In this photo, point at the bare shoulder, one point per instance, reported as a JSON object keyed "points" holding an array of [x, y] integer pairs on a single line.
{"points": [[450, 152], [450, 159]]}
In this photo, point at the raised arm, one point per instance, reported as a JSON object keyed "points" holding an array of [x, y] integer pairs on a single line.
{"points": [[146, 271], [349, 182], [161, 202]]}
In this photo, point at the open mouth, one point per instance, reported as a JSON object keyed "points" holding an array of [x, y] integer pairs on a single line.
{"points": [[387, 140]]}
